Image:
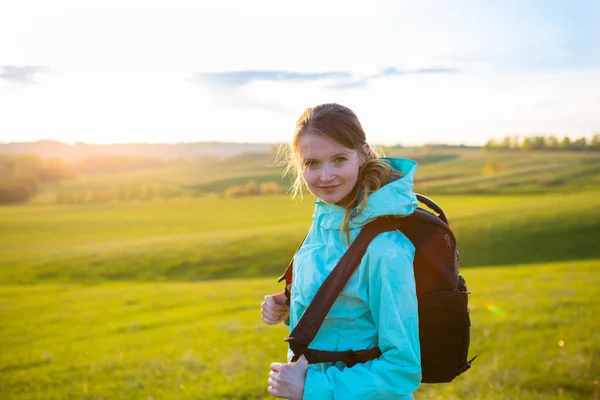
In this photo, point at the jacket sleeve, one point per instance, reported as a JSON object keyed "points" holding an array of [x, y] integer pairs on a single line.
{"points": [[393, 304]]}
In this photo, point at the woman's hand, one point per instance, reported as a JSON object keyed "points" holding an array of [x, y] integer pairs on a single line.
{"points": [[287, 380], [274, 310]]}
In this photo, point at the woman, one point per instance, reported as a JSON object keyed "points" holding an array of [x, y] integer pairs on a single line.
{"points": [[378, 305]]}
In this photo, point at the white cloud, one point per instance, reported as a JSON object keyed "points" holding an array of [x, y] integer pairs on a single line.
{"points": [[120, 70]]}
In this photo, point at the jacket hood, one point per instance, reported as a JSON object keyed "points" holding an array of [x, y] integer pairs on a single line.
{"points": [[395, 198]]}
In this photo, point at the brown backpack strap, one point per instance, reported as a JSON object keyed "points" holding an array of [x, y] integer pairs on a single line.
{"points": [[350, 358], [315, 314]]}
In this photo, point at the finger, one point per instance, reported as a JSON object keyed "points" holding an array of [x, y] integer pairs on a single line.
{"points": [[273, 383], [271, 302], [271, 321], [274, 374], [272, 315], [273, 391], [270, 310], [276, 366], [276, 307], [273, 306], [272, 318]]}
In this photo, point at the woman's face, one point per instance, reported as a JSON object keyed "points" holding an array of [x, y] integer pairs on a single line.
{"points": [[330, 170]]}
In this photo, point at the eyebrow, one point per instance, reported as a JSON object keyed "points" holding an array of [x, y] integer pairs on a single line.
{"points": [[333, 156]]}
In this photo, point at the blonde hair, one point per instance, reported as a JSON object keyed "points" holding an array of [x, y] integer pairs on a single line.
{"points": [[340, 124]]}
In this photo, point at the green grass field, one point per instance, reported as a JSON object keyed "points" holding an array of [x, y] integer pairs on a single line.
{"points": [[535, 329], [160, 299], [209, 238], [440, 171]]}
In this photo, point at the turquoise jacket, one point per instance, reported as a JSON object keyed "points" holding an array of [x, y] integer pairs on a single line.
{"points": [[377, 307]]}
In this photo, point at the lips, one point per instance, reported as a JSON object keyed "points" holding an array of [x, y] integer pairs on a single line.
{"points": [[329, 188]]}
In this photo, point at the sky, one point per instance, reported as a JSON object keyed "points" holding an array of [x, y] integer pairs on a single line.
{"points": [[415, 72]]}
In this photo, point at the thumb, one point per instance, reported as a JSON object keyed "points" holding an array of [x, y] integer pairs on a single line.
{"points": [[302, 360]]}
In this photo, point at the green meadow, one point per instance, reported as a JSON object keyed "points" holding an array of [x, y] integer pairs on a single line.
{"points": [[210, 238], [534, 328], [160, 299]]}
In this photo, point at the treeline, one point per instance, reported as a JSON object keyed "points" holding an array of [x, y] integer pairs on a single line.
{"points": [[97, 164], [544, 143], [123, 193], [251, 188], [151, 192], [22, 175]]}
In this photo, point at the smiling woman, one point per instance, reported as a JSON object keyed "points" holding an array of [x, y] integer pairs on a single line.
{"points": [[330, 169], [329, 154]]}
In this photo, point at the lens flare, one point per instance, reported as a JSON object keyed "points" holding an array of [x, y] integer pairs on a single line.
{"points": [[494, 309]]}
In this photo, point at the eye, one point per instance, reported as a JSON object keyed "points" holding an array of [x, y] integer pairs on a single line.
{"points": [[340, 159], [310, 163]]}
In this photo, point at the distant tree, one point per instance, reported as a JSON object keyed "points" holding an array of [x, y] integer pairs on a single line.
{"points": [[539, 143], [552, 143], [55, 169], [270, 187], [17, 190], [150, 192], [516, 143], [490, 145], [595, 142], [95, 164], [505, 144], [27, 165], [579, 144], [135, 192], [565, 144], [527, 143], [491, 167], [233, 191], [251, 188]]}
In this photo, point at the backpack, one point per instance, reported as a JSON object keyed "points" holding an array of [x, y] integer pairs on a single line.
{"points": [[444, 323]]}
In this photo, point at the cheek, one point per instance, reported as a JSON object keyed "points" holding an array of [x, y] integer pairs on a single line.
{"points": [[351, 175], [309, 176]]}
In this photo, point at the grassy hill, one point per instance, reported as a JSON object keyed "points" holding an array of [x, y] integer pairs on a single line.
{"points": [[440, 171], [534, 328], [101, 300], [209, 238], [474, 171]]}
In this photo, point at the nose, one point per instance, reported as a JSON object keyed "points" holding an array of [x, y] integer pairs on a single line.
{"points": [[327, 174]]}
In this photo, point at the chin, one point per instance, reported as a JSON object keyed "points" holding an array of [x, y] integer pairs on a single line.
{"points": [[332, 198]]}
